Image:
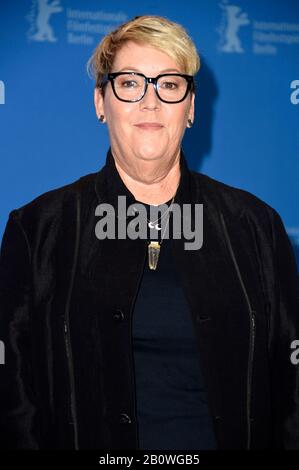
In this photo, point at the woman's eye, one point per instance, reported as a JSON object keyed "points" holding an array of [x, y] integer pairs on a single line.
{"points": [[129, 84], [169, 85]]}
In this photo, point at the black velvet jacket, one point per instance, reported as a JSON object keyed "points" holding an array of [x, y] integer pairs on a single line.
{"points": [[66, 300]]}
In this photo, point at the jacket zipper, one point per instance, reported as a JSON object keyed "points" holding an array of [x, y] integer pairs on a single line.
{"points": [[251, 336], [67, 335]]}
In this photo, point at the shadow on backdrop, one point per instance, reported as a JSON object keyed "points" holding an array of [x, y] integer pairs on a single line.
{"points": [[197, 142]]}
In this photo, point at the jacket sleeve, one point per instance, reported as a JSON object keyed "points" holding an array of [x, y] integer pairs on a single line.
{"points": [[17, 403], [284, 331]]}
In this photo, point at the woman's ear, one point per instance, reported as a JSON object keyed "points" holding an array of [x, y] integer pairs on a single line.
{"points": [[192, 106], [99, 102], [190, 119]]}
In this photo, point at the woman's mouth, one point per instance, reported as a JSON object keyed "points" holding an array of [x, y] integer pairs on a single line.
{"points": [[149, 126]]}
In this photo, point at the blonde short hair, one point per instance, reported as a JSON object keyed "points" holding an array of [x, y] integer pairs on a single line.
{"points": [[156, 31]]}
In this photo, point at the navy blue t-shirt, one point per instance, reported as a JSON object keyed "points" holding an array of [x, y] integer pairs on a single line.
{"points": [[172, 411]]}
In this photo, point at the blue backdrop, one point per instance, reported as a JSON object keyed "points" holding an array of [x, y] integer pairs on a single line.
{"points": [[247, 106]]}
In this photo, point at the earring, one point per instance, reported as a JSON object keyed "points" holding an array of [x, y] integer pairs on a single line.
{"points": [[190, 123], [101, 118]]}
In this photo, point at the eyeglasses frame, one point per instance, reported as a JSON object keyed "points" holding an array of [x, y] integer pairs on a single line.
{"points": [[109, 77]]}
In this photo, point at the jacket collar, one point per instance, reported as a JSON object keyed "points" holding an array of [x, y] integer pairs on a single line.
{"points": [[109, 185]]}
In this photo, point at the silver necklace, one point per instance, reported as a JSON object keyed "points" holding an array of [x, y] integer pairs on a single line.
{"points": [[153, 223], [155, 246]]}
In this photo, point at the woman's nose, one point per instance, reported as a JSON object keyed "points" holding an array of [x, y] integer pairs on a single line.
{"points": [[150, 99]]}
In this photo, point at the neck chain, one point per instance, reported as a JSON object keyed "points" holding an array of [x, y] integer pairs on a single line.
{"points": [[154, 224], [154, 246]]}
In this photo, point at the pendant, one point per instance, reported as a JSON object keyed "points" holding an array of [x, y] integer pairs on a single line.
{"points": [[153, 254], [156, 226]]}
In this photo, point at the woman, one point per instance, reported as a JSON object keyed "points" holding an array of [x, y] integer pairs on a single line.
{"points": [[124, 342]]}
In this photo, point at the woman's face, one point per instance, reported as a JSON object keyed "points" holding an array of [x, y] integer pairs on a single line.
{"points": [[131, 143]]}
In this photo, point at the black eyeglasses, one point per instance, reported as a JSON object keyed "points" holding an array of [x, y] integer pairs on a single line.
{"points": [[131, 86]]}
